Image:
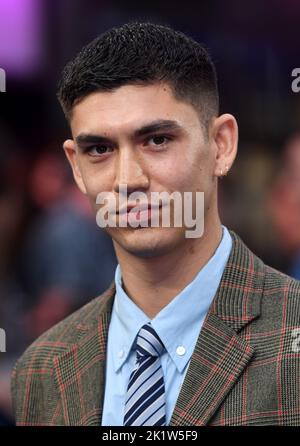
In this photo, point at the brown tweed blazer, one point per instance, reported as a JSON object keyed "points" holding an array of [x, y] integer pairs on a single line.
{"points": [[245, 369]]}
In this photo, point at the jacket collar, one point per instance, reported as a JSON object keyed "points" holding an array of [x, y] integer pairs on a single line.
{"points": [[221, 353], [220, 356]]}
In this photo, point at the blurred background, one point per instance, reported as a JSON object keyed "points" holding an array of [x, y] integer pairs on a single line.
{"points": [[53, 257]]}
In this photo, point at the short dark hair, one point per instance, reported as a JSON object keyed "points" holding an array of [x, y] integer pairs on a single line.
{"points": [[142, 53]]}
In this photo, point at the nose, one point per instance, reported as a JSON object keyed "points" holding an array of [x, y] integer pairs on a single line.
{"points": [[130, 170]]}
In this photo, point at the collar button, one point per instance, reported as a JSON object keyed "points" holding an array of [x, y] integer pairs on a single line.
{"points": [[180, 350]]}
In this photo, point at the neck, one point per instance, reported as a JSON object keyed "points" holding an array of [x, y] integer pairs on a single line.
{"points": [[152, 283]]}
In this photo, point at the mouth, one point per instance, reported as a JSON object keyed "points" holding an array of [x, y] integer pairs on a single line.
{"points": [[138, 212], [137, 208]]}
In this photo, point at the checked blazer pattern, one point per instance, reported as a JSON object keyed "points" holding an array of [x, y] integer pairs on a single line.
{"points": [[244, 370]]}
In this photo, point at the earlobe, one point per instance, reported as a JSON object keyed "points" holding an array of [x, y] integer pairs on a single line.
{"points": [[71, 154], [226, 139]]}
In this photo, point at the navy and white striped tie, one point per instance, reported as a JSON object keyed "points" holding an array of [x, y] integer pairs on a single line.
{"points": [[145, 402]]}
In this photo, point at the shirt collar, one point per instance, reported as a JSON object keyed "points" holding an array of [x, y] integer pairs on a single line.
{"points": [[178, 324]]}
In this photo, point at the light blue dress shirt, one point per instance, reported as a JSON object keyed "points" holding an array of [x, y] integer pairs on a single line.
{"points": [[178, 325]]}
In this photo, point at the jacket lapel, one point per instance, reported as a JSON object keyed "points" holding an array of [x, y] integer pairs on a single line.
{"points": [[80, 371], [221, 354]]}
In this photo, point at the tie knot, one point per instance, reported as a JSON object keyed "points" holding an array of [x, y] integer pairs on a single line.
{"points": [[148, 342]]}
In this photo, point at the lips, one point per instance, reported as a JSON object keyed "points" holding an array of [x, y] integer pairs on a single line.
{"points": [[137, 208], [141, 214]]}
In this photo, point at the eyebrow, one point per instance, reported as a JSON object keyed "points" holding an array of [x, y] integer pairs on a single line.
{"points": [[152, 127]]}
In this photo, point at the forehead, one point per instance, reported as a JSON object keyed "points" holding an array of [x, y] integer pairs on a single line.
{"points": [[128, 107]]}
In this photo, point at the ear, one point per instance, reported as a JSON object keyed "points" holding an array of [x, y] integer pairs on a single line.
{"points": [[72, 156], [224, 132]]}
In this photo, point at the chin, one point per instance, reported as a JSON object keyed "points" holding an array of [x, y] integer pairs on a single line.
{"points": [[148, 242]]}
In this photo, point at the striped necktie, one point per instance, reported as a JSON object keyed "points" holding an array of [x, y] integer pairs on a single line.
{"points": [[145, 401]]}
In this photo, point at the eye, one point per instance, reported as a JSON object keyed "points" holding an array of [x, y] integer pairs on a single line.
{"points": [[98, 150], [159, 140]]}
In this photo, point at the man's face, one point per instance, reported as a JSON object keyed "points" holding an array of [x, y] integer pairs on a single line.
{"points": [[127, 137]]}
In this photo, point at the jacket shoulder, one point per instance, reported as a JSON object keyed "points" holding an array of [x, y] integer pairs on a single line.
{"points": [[64, 334], [280, 301], [35, 398], [278, 281]]}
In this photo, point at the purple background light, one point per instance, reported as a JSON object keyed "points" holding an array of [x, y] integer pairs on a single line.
{"points": [[20, 36]]}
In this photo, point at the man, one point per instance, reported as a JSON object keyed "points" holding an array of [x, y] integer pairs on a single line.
{"points": [[193, 330]]}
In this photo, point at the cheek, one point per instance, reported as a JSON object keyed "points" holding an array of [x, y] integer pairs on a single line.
{"points": [[96, 180], [183, 171]]}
